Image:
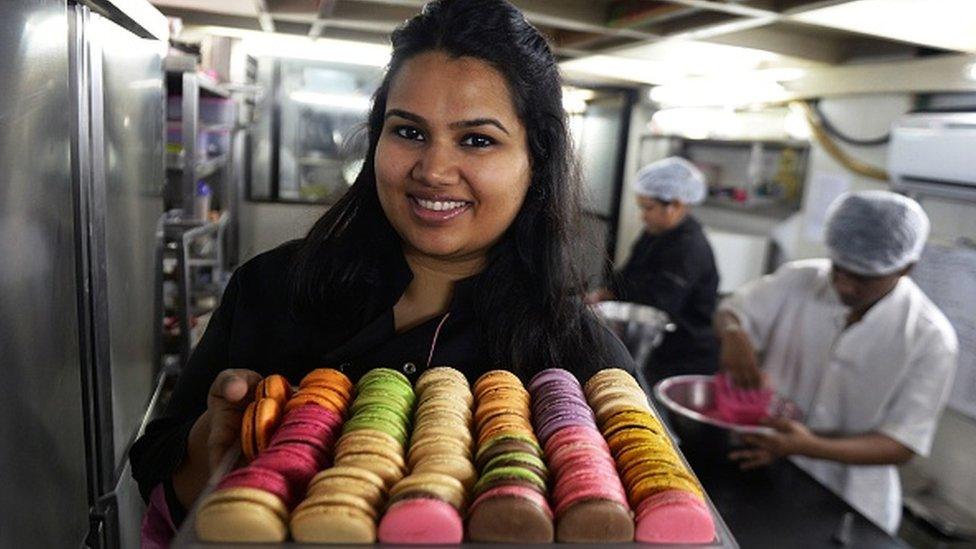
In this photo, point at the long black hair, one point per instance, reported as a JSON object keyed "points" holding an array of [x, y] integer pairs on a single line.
{"points": [[527, 299]]}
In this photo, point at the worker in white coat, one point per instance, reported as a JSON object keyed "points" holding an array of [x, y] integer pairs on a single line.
{"points": [[856, 345]]}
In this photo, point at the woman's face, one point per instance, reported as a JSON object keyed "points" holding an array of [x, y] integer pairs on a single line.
{"points": [[452, 162], [658, 217]]}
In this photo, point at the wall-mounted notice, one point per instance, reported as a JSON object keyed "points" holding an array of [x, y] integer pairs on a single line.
{"points": [[948, 276]]}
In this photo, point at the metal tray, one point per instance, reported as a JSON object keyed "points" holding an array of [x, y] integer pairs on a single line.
{"points": [[187, 538]]}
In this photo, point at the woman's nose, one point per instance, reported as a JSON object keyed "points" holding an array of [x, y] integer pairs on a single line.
{"points": [[437, 165]]}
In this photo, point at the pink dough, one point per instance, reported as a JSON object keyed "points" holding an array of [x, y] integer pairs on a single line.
{"points": [[740, 406], [421, 521], [674, 516]]}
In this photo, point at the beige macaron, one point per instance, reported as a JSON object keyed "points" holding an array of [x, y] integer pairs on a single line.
{"points": [[242, 514]]}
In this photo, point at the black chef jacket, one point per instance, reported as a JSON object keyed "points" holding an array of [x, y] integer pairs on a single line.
{"points": [[255, 328], [675, 272]]}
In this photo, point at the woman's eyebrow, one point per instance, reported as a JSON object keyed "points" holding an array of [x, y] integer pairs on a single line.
{"points": [[475, 122], [479, 122]]}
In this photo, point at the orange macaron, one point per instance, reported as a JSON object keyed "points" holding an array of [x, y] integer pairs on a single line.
{"points": [[274, 386], [258, 424], [331, 378]]}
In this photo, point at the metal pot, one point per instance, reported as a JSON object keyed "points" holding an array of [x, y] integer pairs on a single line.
{"points": [[641, 328]]}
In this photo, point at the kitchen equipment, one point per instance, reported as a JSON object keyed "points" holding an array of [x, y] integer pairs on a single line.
{"points": [[691, 407], [640, 327]]}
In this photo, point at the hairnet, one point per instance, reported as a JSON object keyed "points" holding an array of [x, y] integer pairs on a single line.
{"points": [[672, 178], [875, 232]]}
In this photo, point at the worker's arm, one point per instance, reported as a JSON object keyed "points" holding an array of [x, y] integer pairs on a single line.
{"points": [[792, 438], [738, 357]]}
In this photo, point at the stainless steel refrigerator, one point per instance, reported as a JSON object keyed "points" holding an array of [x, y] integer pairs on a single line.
{"points": [[81, 173]]}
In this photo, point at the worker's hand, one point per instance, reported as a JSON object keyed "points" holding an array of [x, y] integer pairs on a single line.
{"points": [[738, 359], [230, 393], [596, 296], [791, 438]]}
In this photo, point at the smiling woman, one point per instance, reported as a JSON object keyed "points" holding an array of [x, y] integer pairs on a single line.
{"points": [[450, 174], [452, 247], [468, 173]]}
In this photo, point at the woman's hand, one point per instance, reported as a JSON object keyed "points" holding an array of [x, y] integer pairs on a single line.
{"points": [[230, 393], [214, 432]]}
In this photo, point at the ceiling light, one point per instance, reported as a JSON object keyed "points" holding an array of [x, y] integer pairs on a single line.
{"points": [[795, 123], [939, 23], [271, 44], [971, 71], [783, 74], [731, 91], [345, 101], [575, 99], [624, 68]]}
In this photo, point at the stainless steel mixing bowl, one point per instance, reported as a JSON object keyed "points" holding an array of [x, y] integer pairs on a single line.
{"points": [[688, 399], [641, 328]]}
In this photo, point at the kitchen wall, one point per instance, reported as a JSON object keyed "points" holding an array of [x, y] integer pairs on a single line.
{"points": [[265, 225]]}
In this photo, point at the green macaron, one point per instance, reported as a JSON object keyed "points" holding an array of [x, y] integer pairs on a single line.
{"points": [[378, 420], [509, 475], [524, 460], [385, 380], [503, 443]]}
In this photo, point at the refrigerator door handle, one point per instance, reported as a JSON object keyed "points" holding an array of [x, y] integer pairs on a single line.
{"points": [[101, 517]]}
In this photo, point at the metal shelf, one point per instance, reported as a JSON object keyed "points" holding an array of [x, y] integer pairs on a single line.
{"points": [[178, 65], [202, 168], [210, 87]]}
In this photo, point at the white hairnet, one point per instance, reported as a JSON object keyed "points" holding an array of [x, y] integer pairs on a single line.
{"points": [[672, 178], [875, 232]]}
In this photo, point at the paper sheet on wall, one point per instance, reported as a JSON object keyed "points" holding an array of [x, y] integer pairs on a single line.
{"points": [[824, 188], [948, 276]]}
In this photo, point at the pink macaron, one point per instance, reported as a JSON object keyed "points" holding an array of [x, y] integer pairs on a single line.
{"points": [[297, 462], [674, 516], [576, 434], [262, 478], [421, 521], [593, 484]]}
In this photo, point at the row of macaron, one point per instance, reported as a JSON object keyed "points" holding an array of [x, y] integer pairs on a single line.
{"points": [[286, 442], [507, 477], [665, 496]]}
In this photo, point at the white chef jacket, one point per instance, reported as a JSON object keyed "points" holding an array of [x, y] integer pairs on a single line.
{"points": [[890, 372]]}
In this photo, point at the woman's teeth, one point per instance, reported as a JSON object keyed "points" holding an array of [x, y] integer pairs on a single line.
{"points": [[438, 205]]}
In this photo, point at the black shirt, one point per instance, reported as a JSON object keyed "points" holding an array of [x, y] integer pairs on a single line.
{"points": [[675, 272], [255, 328]]}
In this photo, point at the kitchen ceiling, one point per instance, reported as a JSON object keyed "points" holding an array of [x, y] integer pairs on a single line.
{"points": [[667, 39]]}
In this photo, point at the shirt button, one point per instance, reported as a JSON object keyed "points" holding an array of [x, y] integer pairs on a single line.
{"points": [[409, 368]]}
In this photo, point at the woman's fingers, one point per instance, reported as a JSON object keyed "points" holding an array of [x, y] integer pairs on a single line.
{"points": [[224, 433], [232, 386], [229, 394]]}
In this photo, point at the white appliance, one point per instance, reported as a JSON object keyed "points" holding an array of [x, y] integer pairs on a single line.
{"points": [[934, 154]]}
